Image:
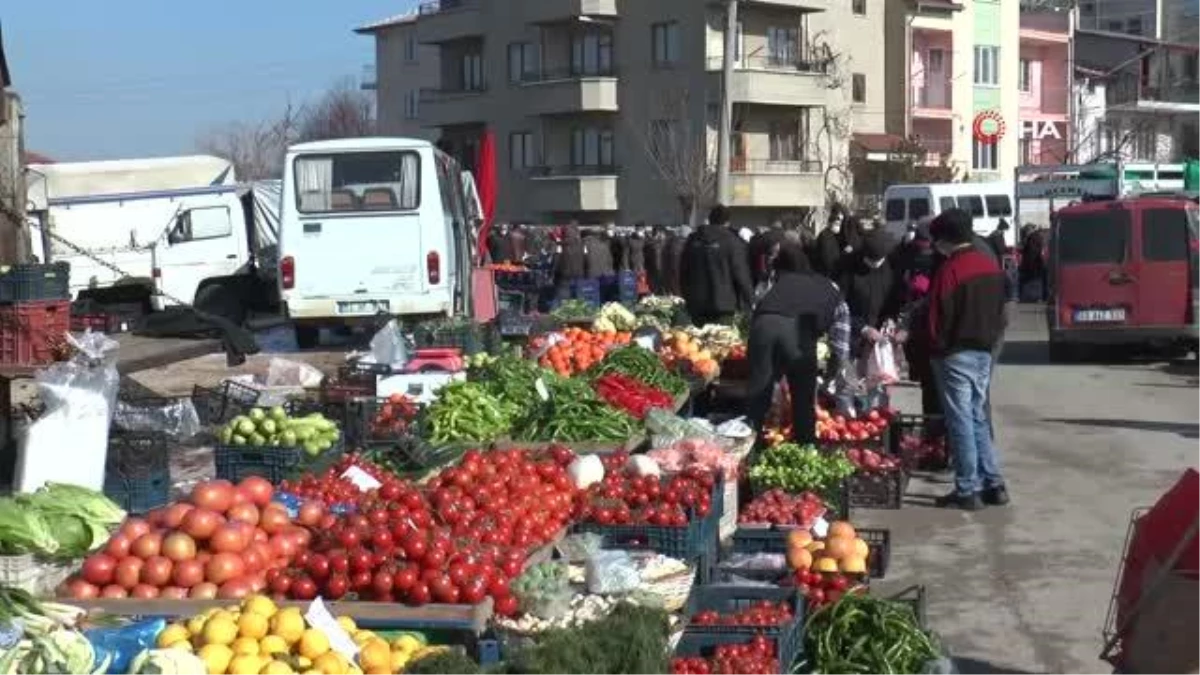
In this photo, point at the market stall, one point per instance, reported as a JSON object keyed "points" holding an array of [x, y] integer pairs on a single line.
{"points": [[550, 505]]}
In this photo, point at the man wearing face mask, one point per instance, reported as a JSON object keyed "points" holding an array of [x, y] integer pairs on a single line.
{"points": [[618, 249], [871, 290], [827, 250], [965, 320]]}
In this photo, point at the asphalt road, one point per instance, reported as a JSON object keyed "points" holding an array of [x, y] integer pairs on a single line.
{"points": [[1025, 588]]}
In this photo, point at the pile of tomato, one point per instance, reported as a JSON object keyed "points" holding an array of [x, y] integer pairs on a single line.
{"points": [[761, 613], [580, 349], [750, 658], [776, 507], [464, 538], [823, 588], [329, 487], [622, 497]]}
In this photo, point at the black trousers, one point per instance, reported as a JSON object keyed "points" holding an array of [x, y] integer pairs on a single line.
{"points": [[778, 348]]}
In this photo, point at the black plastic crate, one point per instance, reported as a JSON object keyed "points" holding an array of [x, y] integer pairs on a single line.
{"points": [[920, 441], [219, 404], [342, 413], [137, 471], [693, 644], [728, 599], [684, 543], [34, 282], [878, 489], [361, 424], [880, 443], [235, 462], [914, 598], [774, 540]]}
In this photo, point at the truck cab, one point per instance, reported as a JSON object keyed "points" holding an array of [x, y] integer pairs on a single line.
{"points": [[372, 226]]}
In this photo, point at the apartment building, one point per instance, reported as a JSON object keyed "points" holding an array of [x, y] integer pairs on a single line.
{"points": [[1044, 87], [1169, 20], [1136, 98], [607, 110], [962, 83]]}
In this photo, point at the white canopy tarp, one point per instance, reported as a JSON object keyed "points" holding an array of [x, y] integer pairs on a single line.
{"points": [[130, 176]]}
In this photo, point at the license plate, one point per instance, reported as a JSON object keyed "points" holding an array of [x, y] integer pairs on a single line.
{"points": [[362, 307], [1100, 315]]}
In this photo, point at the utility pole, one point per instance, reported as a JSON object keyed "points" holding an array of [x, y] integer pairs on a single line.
{"points": [[725, 131]]}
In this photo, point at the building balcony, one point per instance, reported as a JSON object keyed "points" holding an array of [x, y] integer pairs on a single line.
{"points": [[773, 80], [446, 20], [559, 11], [562, 92], [800, 5], [776, 183], [1128, 93], [933, 101], [574, 188], [446, 107]]}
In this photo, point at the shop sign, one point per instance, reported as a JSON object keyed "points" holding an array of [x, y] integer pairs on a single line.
{"points": [[1040, 130]]}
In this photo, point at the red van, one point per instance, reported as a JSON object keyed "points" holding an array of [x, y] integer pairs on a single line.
{"points": [[1124, 272]]}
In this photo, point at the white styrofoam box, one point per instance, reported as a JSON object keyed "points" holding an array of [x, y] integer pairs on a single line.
{"points": [[421, 387]]}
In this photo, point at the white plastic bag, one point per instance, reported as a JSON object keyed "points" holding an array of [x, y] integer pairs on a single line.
{"points": [[388, 345], [881, 364]]}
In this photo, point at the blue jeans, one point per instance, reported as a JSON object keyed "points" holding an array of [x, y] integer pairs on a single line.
{"points": [[963, 379]]}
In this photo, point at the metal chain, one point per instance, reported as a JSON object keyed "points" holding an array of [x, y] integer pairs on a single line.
{"points": [[109, 266]]}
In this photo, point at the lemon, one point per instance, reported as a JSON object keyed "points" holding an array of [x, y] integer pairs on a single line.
{"points": [[362, 637], [288, 624], [173, 633], [245, 646], [276, 668], [260, 604], [407, 644], [195, 625], [220, 630], [347, 625], [271, 645], [216, 658], [399, 659], [253, 625], [313, 644], [331, 663], [375, 655], [246, 664]]}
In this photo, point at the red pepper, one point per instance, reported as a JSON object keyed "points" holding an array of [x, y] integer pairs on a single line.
{"points": [[631, 395]]}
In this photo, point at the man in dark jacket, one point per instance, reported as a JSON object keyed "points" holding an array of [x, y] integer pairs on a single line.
{"points": [[965, 320], [714, 274], [655, 249], [499, 250], [569, 265], [998, 239], [760, 248], [800, 307], [598, 255], [827, 249], [870, 289], [635, 249], [672, 258]]}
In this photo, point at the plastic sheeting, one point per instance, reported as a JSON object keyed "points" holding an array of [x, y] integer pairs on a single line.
{"points": [[266, 200]]}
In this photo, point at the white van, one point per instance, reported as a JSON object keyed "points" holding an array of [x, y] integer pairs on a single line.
{"points": [[986, 202], [372, 226]]}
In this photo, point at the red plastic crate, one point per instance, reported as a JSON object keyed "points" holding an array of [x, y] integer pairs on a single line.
{"points": [[33, 333]]}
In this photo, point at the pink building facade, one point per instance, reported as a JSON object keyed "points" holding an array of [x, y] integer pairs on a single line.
{"points": [[931, 78], [1044, 89]]}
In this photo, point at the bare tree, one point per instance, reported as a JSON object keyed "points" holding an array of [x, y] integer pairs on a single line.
{"points": [[677, 146], [342, 112]]}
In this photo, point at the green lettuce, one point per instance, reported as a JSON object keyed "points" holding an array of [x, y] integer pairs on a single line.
{"points": [[24, 530]]}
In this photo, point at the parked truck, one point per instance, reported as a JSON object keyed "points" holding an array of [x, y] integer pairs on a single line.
{"points": [[159, 232]]}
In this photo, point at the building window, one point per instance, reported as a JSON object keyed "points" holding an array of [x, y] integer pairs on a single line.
{"points": [[783, 46], [592, 146], [522, 62], [591, 54], [1025, 76], [412, 102], [664, 39], [1133, 26], [472, 72], [983, 156], [410, 49], [1115, 25], [859, 7], [521, 151], [987, 65], [858, 88], [1025, 149], [784, 141]]}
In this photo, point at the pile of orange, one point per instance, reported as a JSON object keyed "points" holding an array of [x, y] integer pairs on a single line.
{"points": [[581, 349]]}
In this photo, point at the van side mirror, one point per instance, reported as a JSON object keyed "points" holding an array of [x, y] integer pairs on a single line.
{"points": [[178, 233]]}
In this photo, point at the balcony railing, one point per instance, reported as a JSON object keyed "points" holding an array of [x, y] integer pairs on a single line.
{"points": [[936, 146], [572, 170], [567, 73], [775, 62], [933, 96], [781, 166], [428, 94], [439, 6], [1129, 89]]}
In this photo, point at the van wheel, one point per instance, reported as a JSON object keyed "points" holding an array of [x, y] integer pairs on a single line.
{"points": [[307, 337], [221, 300]]}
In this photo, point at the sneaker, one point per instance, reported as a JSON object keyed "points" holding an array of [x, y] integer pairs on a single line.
{"points": [[996, 496], [953, 500]]}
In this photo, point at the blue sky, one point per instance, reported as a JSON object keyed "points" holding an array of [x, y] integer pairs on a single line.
{"points": [[133, 78]]}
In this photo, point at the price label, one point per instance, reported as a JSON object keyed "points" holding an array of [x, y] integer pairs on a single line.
{"points": [[540, 387], [318, 617], [361, 479], [820, 528], [645, 341]]}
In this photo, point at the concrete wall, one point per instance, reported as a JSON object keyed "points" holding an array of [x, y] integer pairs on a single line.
{"points": [[14, 232], [398, 77]]}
